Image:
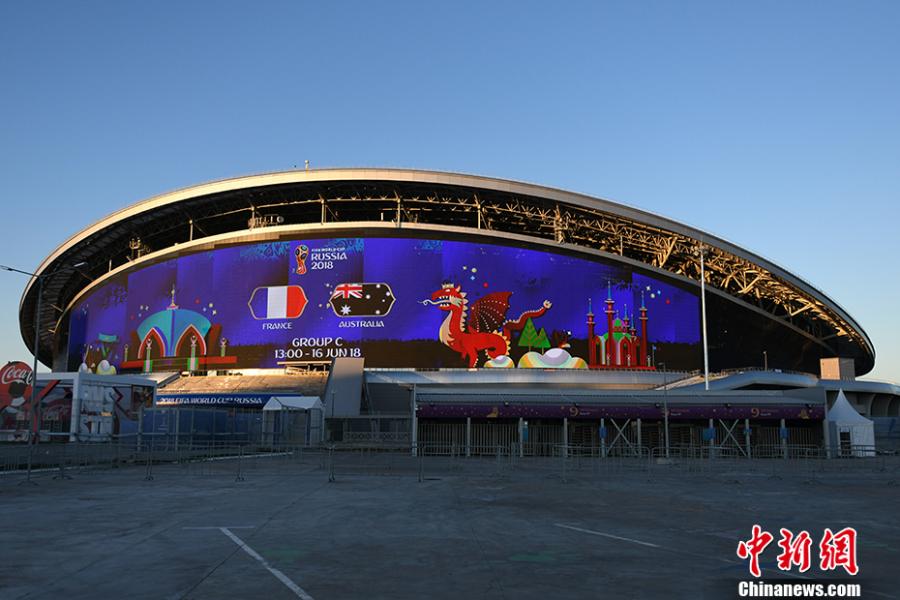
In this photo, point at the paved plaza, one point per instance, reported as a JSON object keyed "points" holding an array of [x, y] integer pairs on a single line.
{"points": [[286, 531]]}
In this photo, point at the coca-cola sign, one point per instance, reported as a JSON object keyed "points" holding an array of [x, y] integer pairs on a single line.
{"points": [[15, 371], [15, 394]]}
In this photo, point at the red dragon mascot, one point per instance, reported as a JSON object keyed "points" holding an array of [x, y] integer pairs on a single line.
{"points": [[483, 329]]}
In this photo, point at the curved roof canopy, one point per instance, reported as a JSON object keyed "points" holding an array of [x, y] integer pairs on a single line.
{"points": [[331, 197]]}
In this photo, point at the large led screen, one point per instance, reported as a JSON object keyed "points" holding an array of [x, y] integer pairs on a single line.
{"points": [[396, 302]]}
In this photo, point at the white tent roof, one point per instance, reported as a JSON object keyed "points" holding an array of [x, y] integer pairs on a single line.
{"points": [[293, 403], [843, 412]]}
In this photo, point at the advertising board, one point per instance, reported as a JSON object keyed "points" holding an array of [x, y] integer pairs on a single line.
{"points": [[397, 302]]}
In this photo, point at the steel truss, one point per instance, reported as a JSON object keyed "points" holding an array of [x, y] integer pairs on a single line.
{"points": [[439, 204]]}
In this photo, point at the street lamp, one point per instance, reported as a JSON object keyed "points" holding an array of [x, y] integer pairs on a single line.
{"points": [[765, 361], [701, 250], [37, 331], [665, 405]]}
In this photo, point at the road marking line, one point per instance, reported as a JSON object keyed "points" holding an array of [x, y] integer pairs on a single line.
{"points": [[228, 527], [607, 535], [278, 574]]}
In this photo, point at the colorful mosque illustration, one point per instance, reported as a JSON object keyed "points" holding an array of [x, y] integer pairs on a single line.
{"points": [[627, 349], [176, 338]]}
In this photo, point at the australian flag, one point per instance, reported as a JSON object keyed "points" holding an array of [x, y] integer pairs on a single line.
{"points": [[361, 299]]}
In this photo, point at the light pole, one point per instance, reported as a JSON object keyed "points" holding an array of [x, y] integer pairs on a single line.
{"points": [[34, 409], [765, 361], [665, 405], [331, 421], [701, 250]]}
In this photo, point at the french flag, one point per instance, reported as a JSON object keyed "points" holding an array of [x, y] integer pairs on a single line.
{"points": [[277, 302]]}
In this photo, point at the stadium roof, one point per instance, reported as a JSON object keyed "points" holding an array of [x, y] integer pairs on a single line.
{"points": [[259, 207]]}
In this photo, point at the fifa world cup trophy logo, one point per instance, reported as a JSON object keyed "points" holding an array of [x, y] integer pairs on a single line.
{"points": [[300, 253]]}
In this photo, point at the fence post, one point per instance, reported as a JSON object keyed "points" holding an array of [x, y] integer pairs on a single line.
{"points": [[30, 448], [420, 458], [240, 474], [782, 433], [603, 438], [149, 476], [747, 436], [468, 437], [414, 422], [521, 437], [331, 464], [826, 432], [639, 437], [564, 459], [62, 467], [565, 436]]}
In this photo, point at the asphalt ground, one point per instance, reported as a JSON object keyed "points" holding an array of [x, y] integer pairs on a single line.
{"points": [[479, 531]]}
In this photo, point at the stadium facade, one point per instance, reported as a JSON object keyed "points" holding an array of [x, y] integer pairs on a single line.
{"points": [[437, 298]]}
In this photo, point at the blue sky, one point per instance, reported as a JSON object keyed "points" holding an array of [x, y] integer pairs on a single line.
{"points": [[775, 125]]}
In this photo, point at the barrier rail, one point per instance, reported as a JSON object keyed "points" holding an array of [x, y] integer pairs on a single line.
{"points": [[154, 458]]}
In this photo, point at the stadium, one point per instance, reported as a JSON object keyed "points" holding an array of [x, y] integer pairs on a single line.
{"points": [[395, 306]]}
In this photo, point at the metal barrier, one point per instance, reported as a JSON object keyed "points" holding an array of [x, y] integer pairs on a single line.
{"points": [[196, 459], [154, 458], [348, 460]]}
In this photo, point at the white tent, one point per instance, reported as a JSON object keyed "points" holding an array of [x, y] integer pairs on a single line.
{"points": [[850, 433], [293, 420], [293, 403]]}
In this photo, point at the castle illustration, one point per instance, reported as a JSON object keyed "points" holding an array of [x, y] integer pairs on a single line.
{"points": [[620, 345], [179, 338]]}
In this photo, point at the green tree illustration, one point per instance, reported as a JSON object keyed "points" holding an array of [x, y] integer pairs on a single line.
{"points": [[529, 336], [542, 342]]}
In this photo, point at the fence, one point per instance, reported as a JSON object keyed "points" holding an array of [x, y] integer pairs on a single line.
{"points": [[151, 458], [147, 455], [196, 424], [613, 436]]}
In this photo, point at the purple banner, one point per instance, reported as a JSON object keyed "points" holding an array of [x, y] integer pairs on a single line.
{"points": [[559, 411]]}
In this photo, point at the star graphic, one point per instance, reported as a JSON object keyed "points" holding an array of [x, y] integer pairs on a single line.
{"points": [[345, 310]]}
